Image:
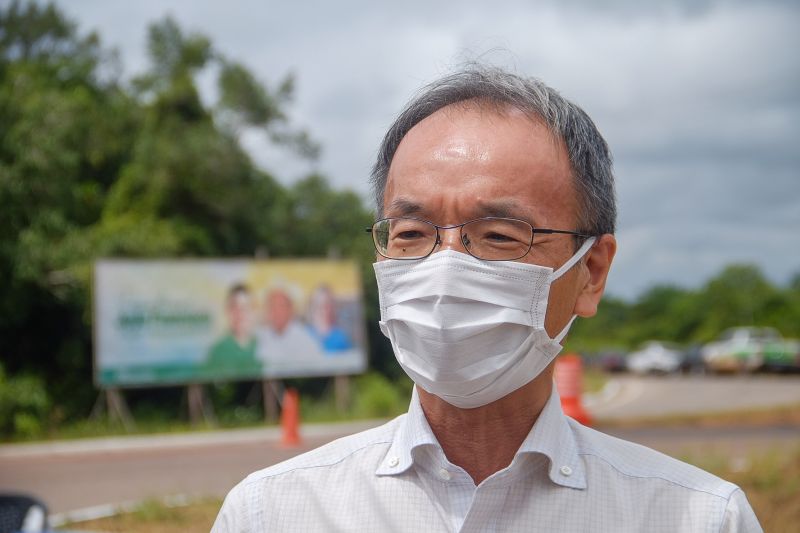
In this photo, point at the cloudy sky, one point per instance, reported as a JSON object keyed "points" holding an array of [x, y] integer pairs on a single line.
{"points": [[699, 100]]}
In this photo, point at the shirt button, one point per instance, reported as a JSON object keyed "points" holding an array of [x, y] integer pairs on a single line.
{"points": [[444, 474], [393, 461], [566, 471]]}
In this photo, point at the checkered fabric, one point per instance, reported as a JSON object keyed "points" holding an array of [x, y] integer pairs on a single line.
{"points": [[565, 477]]}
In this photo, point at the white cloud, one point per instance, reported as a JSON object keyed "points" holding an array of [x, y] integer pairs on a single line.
{"points": [[700, 101]]}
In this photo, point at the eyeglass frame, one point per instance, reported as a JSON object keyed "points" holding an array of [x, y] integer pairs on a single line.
{"points": [[438, 241]]}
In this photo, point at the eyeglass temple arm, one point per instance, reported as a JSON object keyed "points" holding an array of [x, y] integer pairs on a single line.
{"points": [[552, 231]]}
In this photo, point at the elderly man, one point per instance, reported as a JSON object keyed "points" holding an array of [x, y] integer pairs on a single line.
{"points": [[496, 220]]}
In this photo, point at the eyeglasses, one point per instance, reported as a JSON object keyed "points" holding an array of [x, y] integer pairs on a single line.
{"points": [[487, 238]]}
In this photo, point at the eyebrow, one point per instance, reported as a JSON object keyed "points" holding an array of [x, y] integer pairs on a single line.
{"points": [[505, 208], [404, 207]]}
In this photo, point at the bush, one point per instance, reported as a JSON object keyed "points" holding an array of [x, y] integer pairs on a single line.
{"points": [[377, 397], [23, 406]]}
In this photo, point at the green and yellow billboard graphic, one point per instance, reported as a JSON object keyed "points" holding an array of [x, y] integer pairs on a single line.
{"points": [[171, 322]]}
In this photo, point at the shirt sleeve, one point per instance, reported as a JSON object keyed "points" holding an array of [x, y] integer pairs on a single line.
{"points": [[232, 517], [739, 516]]}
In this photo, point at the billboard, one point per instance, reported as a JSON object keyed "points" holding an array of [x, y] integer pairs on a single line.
{"points": [[159, 322]]}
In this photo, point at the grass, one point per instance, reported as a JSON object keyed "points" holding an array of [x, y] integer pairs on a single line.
{"points": [[788, 415], [770, 480], [594, 380], [153, 516]]}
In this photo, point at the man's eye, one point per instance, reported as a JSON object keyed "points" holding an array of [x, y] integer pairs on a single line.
{"points": [[498, 238], [409, 235]]}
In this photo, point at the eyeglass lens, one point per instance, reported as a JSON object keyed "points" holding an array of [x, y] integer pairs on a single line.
{"points": [[486, 238]]}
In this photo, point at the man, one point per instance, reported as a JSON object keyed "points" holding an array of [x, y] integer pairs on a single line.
{"points": [[497, 213], [234, 354], [284, 341]]}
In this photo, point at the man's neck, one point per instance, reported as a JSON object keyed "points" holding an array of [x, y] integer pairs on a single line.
{"points": [[484, 440]]}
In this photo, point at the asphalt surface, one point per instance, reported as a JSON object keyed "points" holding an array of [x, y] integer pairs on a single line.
{"points": [[94, 476], [628, 396]]}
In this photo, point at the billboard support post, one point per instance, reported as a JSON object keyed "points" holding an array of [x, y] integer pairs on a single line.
{"points": [[341, 383], [200, 409], [341, 392], [269, 395], [111, 401]]}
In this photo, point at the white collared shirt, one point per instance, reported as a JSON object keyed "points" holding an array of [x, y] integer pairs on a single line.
{"points": [[565, 477]]}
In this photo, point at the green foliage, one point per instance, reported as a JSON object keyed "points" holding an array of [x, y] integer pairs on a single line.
{"points": [[373, 395], [244, 96], [23, 406], [377, 397], [737, 296], [91, 167], [174, 54]]}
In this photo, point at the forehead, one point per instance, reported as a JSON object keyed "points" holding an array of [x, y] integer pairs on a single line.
{"points": [[239, 298], [470, 160], [278, 297]]}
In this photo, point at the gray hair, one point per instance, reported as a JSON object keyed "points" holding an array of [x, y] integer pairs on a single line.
{"points": [[589, 155]]}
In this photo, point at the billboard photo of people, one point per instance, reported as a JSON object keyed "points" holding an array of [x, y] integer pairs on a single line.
{"points": [[171, 322]]}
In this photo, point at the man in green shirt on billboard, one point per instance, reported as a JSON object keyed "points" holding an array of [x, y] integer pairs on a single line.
{"points": [[234, 354]]}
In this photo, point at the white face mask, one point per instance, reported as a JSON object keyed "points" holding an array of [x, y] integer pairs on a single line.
{"points": [[466, 330]]}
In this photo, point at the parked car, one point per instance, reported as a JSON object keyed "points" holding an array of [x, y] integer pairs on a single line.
{"points": [[612, 361], [747, 349], [692, 360], [655, 357], [782, 356]]}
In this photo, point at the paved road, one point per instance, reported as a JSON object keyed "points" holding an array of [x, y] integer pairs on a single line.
{"points": [[82, 474], [628, 396], [97, 472]]}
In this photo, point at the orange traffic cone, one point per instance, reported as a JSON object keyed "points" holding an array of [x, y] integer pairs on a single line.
{"points": [[569, 382], [290, 418]]}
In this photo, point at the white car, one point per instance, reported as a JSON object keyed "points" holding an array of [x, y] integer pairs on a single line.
{"points": [[655, 357]]}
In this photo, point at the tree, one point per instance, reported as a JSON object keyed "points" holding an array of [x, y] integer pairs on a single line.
{"points": [[66, 132], [92, 167], [737, 296]]}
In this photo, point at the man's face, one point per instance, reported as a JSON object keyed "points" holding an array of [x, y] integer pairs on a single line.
{"points": [[465, 162], [279, 311], [323, 311], [240, 314]]}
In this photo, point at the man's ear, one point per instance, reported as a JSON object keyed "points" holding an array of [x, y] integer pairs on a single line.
{"points": [[596, 266]]}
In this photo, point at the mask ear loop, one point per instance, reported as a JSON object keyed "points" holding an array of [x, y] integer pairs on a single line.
{"points": [[574, 259], [563, 333], [571, 262]]}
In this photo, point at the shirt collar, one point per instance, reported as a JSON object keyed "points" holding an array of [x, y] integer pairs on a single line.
{"points": [[550, 436], [553, 437], [413, 432]]}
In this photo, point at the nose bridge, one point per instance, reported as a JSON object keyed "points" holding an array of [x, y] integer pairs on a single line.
{"points": [[450, 239]]}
